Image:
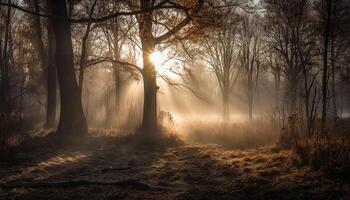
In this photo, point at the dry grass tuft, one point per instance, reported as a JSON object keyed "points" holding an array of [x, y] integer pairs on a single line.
{"points": [[233, 135], [159, 139], [329, 154]]}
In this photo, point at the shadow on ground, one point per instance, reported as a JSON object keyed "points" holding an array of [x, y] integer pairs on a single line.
{"points": [[181, 172]]}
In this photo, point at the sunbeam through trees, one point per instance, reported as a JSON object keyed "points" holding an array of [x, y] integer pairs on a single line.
{"points": [[174, 99]]}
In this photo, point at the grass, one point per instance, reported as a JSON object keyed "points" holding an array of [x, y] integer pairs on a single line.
{"points": [[234, 135], [331, 154]]}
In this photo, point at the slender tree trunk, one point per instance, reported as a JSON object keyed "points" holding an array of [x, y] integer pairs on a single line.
{"points": [[334, 95], [250, 93], [313, 111], [116, 71], [51, 74], [72, 120], [107, 104], [83, 57], [84, 46], [277, 75], [250, 109], [225, 105], [149, 120], [87, 105], [277, 80], [82, 70], [333, 65], [292, 110], [325, 65], [308, 114], [117, 96]]}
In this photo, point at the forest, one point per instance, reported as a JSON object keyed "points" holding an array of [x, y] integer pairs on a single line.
{"points": [[174, 99]]}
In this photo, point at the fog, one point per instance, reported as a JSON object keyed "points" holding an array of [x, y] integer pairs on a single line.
{"points": [[174, 99], [178, 104]]}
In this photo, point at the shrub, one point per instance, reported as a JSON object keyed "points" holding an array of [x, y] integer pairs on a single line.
{"points": [[330, 154]]}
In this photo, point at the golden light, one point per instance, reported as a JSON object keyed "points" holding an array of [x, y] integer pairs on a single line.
{"points": [[158, 59]]}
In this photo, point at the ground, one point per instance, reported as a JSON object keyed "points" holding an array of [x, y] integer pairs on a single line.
{"points": [[189, 171]]}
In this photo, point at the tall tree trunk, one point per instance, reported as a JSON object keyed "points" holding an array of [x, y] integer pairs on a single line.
{"points": [[4, 87], [250, 93], [225, 105], [82, 64], [39, 41], [51, 74], [1, 72], [327, 19], [116, 71], [117, 96], [72, 120], [334, 95], [149, 120], [4, 81], [250, 109], [333, 67], [277, 77], [83, 57], [292, 105], [307, 90], [84, 47]]}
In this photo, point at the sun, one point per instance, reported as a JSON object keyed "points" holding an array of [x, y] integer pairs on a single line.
{"points": [[158, 59]]}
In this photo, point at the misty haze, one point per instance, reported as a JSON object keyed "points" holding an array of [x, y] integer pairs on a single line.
{"points": [[174, 99]]}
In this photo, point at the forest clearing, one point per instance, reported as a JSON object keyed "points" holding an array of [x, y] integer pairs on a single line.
{"points": [[179, 172], [174, 99]]}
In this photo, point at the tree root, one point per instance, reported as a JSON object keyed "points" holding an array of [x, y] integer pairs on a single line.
{"points": [[75, 183]]}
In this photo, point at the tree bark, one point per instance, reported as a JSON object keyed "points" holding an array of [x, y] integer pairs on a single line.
{"points": [[4, 86], [72, 120], [51, 74], [116, 53], [149, 120], [250, 109], [333, 67], [325, 65], [148, 43], [117, 96], [39, 41], [225, 106]]}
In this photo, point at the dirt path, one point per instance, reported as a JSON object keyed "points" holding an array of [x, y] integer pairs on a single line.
{"points": [[184, 172]]}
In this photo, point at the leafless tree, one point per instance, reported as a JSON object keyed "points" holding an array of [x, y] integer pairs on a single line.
{"points": [[219, 52], [250, 44]]}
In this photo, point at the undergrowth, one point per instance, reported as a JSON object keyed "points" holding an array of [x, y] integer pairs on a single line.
{"points": [[331, 154], [233, 135]]}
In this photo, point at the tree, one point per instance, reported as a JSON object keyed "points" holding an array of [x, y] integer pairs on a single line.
{"points": [[339, 51], [327, 5], [4, 65], [284, 22], [219, 52], [148, 44], [84, 46], [51, 73], [117, 32], [72, 119], [39, 43], [250, 51], [47, 62]]}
